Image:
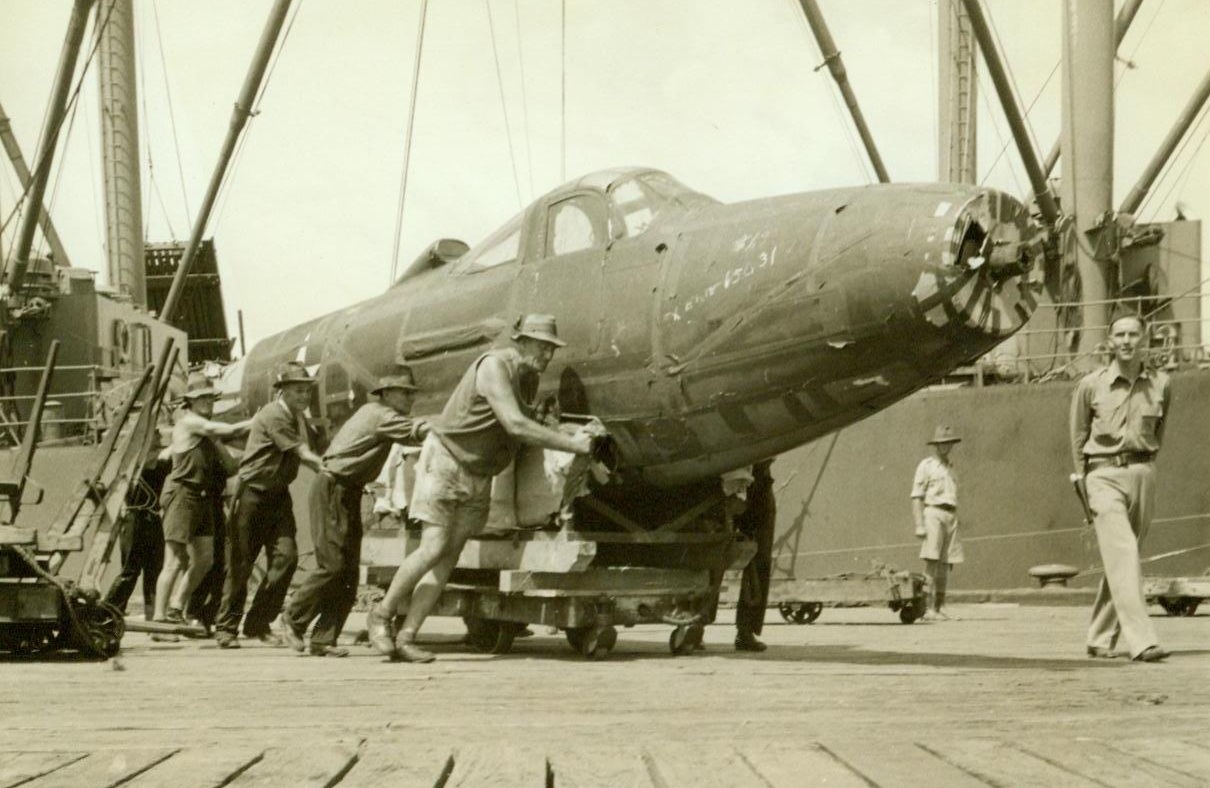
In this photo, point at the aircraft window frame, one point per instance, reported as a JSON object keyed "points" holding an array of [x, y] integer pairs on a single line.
{"points": [[596, 212], [479, 258], [648, 200]]}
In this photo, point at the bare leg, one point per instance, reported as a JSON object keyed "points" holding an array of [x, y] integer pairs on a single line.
{"points": [[416, 564], [201, 558], [428, 590], [930, 571], [176, 563]]}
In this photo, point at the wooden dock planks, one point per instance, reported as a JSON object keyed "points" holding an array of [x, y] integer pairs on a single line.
{"points": [[394, 761]]}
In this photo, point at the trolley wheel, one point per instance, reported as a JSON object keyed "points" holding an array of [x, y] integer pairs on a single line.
{"points": [[593, 642], [490, 636], [100, 631], [1189, 606], [684, 639], [30, 639], [913, 610], [1173, 606], [800, 612]]}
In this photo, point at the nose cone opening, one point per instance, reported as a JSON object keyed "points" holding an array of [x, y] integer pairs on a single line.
{"points": [[984, 280]]}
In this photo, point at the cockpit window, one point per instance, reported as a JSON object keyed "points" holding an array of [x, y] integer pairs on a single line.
{"points": [[640, 199], [575, 224], [499, 248]]}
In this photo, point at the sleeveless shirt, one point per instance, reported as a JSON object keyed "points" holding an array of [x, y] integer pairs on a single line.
{"points": [[468, 426]]}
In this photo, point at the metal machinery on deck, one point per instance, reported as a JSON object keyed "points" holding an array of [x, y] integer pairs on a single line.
{"points": [[49, 578]]}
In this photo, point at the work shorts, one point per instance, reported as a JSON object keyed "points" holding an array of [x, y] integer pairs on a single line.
{"points": [[445, 493], [189, 514], [941, 542]]}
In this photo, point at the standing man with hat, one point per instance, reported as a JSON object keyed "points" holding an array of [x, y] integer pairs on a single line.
{"points": [[935, 510], [262, 515], [486, 417], [354, 459], [192, 498], [1118, 415]]}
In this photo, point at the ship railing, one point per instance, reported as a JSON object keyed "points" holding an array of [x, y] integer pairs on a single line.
{"points": [[57, 428]]}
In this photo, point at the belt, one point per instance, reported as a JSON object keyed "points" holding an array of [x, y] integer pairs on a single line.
{"points": [[1119, 460], [949, 507]]}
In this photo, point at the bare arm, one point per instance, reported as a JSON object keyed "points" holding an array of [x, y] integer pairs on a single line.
{"points": [[918, 515], [221, 430], [492, 382], [308, 457]]}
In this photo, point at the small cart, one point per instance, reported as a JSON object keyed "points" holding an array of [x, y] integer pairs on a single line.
{"points": [[801, 600]]}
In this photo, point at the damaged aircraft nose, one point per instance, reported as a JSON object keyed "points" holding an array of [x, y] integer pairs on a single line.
{"points": [[982, 279]]}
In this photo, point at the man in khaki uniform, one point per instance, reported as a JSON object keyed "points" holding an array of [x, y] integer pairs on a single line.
{"points": [[935, 510], [1118, 414]]}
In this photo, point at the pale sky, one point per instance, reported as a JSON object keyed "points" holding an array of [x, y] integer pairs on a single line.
{"points": [[723, 95]]}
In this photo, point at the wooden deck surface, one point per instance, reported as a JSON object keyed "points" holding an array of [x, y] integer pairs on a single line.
{"points": [[1003, 697]]}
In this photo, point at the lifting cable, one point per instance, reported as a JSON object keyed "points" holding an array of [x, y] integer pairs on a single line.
{"points": [[253, 111], [503, 104], [1172, 166], [407, 143], [831, 88], [529, 152], [171, 114], [71, 100]]}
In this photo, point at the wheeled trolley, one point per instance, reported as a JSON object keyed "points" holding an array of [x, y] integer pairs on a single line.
{"points": [[1179, 596], [801, 600]]}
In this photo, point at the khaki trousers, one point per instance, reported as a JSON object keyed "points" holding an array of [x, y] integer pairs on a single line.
{"points": [[1122, 500]]}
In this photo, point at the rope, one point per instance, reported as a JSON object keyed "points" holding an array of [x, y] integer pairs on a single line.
{"points": [[407, 144], [176, 145], [563, 92], [529, 154], [1177, 155], [999, 137], [503, 104], [71, 100]]}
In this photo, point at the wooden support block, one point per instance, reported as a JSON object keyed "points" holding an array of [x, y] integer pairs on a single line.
{"points": [[1100, 762], [839, 590], [607, 581], [401, 765], [544, 553], [11, 534], [104, 768], [18, 768], [498, 766], [903, 764], [616, 767], [49, 543], [298, 767], [689, 766], [799, 766], [204, 767], [995, 764]]}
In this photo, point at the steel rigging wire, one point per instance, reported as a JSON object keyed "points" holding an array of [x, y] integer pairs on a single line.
{"points": [[171, 113], [508, 128], [529, 153], [407, 144]]}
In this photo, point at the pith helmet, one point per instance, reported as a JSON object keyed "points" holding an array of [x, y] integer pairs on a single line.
{"points": [[541, 327], [198, 386], [293, 372], [404, 380], [945, 434]]}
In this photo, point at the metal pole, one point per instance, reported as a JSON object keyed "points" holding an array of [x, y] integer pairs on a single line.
{"points": [[120, 150], [1120, 26], [44, 223], [1088, 155], [239, 117], [1012, 111], [958, 90], [831, 57], [50, 139], [1196, 102], [239, 313]]}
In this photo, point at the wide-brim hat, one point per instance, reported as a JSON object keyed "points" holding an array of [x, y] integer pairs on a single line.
{"points": [[198, 386], [405, 380], [944, 434], [540, 327], [293, 372]]}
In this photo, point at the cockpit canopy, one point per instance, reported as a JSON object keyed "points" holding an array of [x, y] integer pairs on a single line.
{"points": [[592, 211]]}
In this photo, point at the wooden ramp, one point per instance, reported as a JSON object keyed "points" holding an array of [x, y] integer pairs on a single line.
{"points": [[394, 761]]}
